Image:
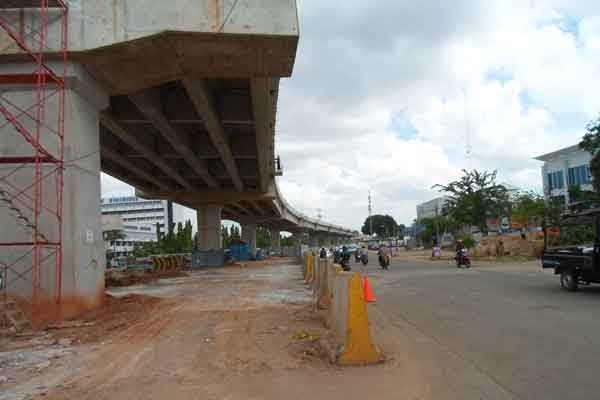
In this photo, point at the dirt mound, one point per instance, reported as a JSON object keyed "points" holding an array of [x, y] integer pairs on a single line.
{"points": [[116, 313]]}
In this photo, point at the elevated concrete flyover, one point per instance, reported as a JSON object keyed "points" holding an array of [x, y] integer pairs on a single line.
{"points": [[176, 98]]}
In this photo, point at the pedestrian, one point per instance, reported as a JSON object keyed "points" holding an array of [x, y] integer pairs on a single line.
{"points": [[323, 253]]}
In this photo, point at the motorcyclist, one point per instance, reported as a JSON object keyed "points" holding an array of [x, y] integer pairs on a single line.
{"points": [[383, 254], [323, 253], [345, 259], [364, 255], [459, 248], [364, 251]]}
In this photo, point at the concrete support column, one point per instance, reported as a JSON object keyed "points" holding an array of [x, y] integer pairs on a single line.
{"points": [[313, 240], [276, 240], [209, 227], [249, 236], [83, 253]]}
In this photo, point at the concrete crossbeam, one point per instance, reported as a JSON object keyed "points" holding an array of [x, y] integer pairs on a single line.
{"points": [[203, 101], [131, 166], [116, 129], [263, 93], [205, 196], [148, 102]]}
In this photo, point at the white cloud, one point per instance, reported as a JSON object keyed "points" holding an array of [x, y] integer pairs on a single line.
{"points": [[519, 77]]}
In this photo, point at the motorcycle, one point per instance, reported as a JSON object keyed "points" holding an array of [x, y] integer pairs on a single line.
{"points": [[462, 259], [357, 256], [364, 259], [384, 261], [345, 263]]}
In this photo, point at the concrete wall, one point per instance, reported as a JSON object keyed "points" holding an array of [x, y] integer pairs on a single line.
{"points": [[83, 247], [97, 23]]}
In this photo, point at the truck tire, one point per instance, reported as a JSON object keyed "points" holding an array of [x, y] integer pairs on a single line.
{"points": [[569, 280]]}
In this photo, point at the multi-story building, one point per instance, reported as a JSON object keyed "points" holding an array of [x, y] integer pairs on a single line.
{"points": [[431, 208], [139, 218], [563, 169]]}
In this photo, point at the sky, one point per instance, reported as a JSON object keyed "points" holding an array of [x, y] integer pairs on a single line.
{"points": [[395, 96]]}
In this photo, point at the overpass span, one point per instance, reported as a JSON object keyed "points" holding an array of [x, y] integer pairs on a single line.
{"points": [[176, 98]]}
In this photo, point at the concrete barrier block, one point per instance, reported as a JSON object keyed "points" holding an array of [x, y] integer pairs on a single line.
{"points": [[358, 347], [338, 312], [323, 294]]}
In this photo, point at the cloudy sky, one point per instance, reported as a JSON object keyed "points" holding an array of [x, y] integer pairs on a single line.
{"points": [[388, 95]]}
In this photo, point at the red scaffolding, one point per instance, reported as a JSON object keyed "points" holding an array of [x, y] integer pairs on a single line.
{"points": [[33, 43]]}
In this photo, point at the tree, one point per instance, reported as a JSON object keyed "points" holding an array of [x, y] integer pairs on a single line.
{"points": [[401, 230], [287, 241], [474, 197], [591, 143], [527, 206], [431, 226], [383, 225], [263, 238]]}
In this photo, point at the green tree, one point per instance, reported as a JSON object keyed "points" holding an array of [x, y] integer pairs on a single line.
{"points": [[401, 230], [431, 226], [383, 225], [287, 241], [225, 238], [527, 207], [591, 143], [263, 237], [474, 197], [576, 194]]}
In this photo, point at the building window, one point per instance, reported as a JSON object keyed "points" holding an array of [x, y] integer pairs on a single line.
{"points": [[579, 175], [556, 180]]}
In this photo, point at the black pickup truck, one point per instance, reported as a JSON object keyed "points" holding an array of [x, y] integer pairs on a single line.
{"points": [[576, 263]]}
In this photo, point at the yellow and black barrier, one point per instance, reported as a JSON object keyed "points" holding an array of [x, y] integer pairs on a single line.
{"points": [[170, 263]]}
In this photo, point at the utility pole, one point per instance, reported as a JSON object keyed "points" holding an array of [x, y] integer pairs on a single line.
{"points": [[437, 226], [370, 219], [319, 213]]}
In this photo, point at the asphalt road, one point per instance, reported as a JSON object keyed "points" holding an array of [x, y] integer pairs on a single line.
{"points": [[512, 323]]}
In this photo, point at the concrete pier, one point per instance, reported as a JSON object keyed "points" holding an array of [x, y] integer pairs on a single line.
{"points": [[209, 227], [275, 240], [249, 236], [83, 257]]}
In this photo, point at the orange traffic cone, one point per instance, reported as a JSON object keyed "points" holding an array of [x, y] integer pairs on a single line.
{"points": [[367, 289]]}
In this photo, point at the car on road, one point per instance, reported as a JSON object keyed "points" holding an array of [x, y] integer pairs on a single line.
{"points": [[572, 248]]}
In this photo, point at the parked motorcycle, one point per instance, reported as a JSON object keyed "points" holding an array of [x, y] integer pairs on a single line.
{"points": [[463, 259]]}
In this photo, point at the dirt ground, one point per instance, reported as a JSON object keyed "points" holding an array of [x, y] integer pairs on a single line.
{"points": [[230, 333], [149, 338]]}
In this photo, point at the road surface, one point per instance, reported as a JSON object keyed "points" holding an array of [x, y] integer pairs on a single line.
{"points": [[494, 332], [512, 323]]}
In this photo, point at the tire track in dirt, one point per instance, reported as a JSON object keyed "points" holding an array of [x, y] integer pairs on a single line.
{"points": [[118, 359]]}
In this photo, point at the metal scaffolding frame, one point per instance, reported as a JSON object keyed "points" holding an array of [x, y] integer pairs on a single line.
{"points": [[35, 33]]}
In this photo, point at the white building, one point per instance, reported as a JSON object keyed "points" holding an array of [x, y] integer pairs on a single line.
{"points": [[138, 218], [431, 208], [565, 168]]}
